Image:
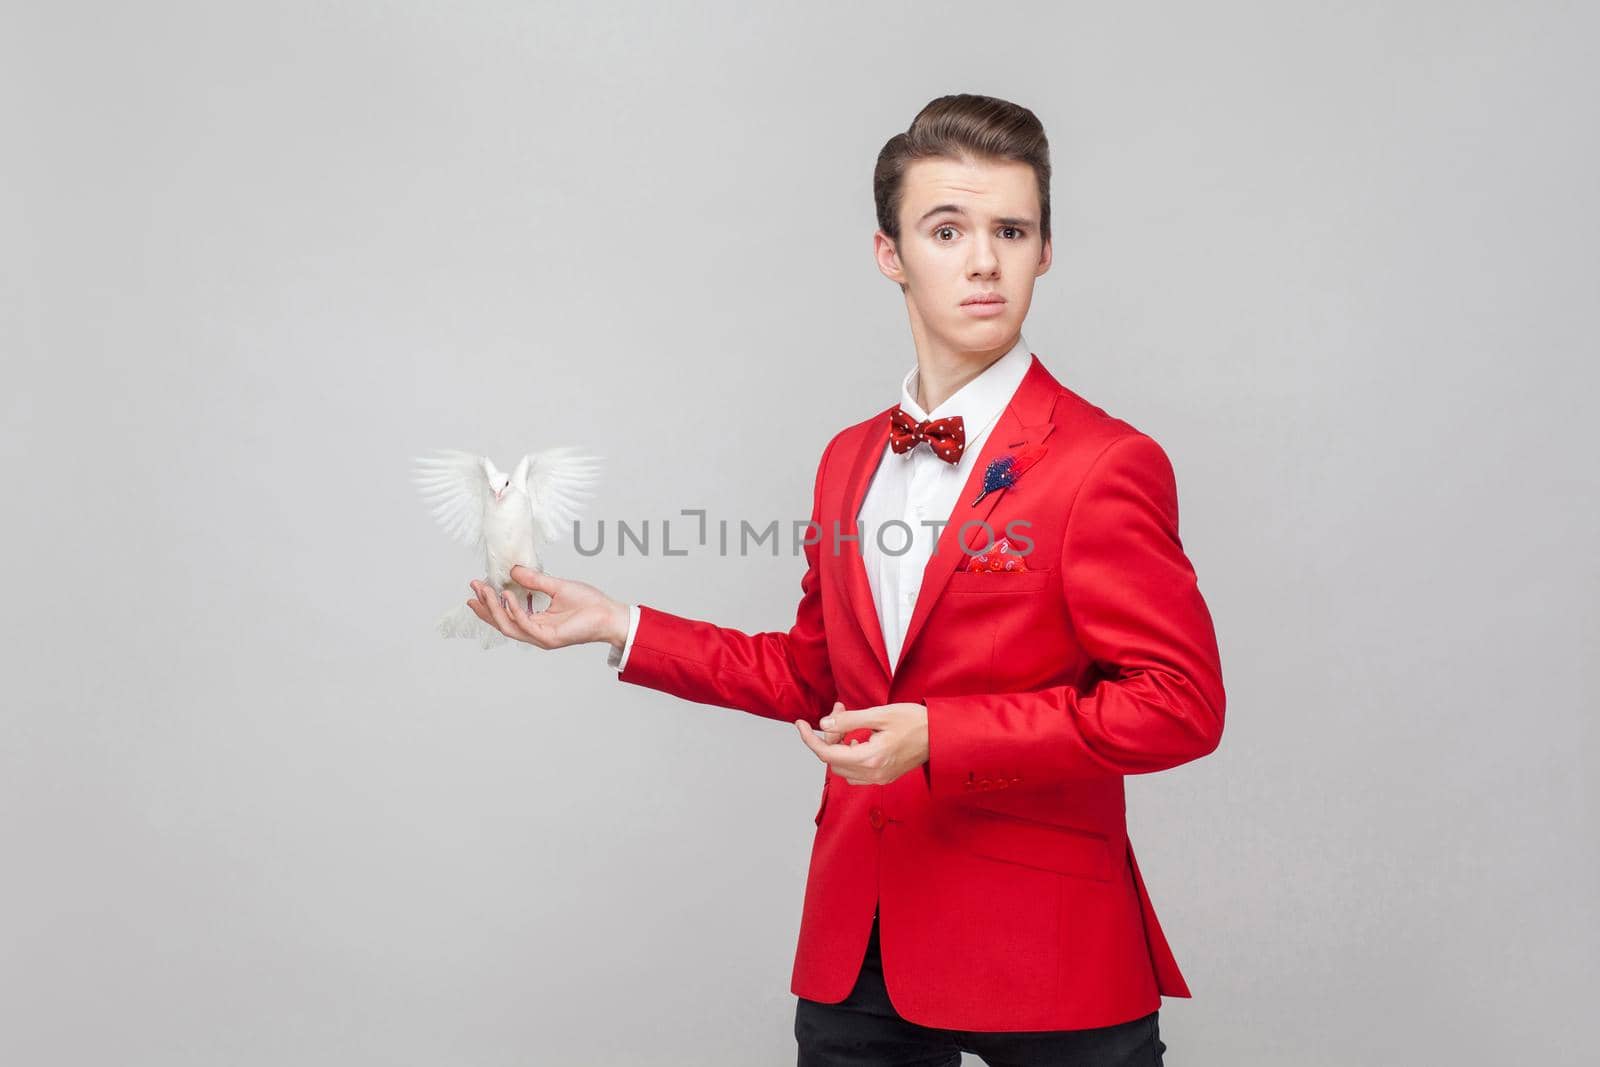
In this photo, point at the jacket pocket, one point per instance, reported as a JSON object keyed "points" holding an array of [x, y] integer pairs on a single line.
{"points": [[999, 582], [1047, 846]]}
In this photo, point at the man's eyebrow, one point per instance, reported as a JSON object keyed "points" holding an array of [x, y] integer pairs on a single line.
{"points": [[954, 209]]}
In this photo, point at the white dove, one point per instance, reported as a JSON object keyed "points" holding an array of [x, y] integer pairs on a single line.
{"points": [[508, 516]]}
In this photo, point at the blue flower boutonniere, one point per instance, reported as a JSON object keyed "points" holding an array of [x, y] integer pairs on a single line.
{"points": [[1003, 471]]}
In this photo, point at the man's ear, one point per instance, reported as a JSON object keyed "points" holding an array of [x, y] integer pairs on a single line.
{"points": [[1045, 256], [888, 257]]}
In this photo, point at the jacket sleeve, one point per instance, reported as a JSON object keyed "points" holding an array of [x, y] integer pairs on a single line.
{"points": [[1156, 698], [774, 674]]}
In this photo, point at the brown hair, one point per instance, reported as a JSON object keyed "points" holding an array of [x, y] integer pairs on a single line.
{"points": [[962, 126]]}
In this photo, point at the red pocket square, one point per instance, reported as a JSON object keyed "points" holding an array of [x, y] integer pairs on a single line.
{"points": [[997, 559]]}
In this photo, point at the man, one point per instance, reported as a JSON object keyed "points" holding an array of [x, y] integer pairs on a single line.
{"points": [[978, 697]]}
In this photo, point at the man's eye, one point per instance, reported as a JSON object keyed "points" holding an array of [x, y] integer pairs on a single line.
{"points": [[942, 229], [1013, 229]]}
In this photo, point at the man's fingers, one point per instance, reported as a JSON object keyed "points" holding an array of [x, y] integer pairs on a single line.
{"points": [[817, 743], [533, 626], [506, 612], [839, 720], [515, 624], [487, 616], [500, 608], [844, 759], [511, 608], [493, 598], [532, 579]]}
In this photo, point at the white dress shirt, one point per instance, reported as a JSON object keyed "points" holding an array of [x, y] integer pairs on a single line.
{"points": [[913, 487]]}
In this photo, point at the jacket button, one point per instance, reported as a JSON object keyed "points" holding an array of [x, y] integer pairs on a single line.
{"points": [[875, 817]]}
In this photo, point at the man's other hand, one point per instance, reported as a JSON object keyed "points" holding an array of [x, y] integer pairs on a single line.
{"points": [[897, 741]]}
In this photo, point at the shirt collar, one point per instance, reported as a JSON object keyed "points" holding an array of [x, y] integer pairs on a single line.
{"points": [[981, 400]]}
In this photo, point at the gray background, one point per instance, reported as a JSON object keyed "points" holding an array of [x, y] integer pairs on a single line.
{"points": [[1338, 259]]}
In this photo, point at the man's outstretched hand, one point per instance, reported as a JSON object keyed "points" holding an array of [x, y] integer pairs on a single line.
{"points": [[578, 612], [899, 741]]}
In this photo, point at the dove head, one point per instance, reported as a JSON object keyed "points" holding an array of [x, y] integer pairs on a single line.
{"points": [[499, 480]]}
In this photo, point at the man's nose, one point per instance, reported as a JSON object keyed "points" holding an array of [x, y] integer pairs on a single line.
{"points": [[984, 260]]}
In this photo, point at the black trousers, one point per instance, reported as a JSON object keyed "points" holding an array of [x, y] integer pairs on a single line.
{"points": [[864, 1030]]}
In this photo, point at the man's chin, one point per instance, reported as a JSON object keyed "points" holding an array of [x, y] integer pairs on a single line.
{"points": [[985, 333]]}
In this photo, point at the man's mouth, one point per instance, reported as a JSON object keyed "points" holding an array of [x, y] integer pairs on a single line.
{"points": [[985, 298]]}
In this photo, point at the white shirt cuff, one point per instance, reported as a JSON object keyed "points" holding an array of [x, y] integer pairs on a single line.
{"points": [[619, 658]]}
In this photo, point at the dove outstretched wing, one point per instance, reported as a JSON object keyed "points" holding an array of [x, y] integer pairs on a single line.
{"points": [[455, 487], [558, 481]]}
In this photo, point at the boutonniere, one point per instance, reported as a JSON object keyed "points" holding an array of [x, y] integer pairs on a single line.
{"points": [[1003, 471]]}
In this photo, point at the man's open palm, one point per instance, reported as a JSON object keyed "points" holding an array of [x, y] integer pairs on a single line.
{"points": [[578, 612]]}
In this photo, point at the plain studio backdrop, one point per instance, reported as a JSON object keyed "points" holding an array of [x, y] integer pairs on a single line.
{"points": [[1338, 260]]}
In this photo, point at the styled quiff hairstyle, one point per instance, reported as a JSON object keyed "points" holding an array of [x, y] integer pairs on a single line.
{"points": [[962, 126]]}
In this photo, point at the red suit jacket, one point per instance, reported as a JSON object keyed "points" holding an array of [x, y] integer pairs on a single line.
{"points": [[1007, 892]]}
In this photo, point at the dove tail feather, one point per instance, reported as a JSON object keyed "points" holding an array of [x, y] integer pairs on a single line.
{"points": [[459, 621]]}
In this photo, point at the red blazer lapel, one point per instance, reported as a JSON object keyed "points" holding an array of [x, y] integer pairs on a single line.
{"points": [[862, 465]]}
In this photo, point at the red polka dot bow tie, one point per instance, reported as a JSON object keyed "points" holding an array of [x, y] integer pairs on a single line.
{"points": [[945, 436]]}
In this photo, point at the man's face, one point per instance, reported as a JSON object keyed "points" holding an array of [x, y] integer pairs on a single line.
{"points": [[967, 229]]}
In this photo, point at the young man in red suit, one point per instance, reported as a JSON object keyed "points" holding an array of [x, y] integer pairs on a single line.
{"points": [[998, 624]]}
